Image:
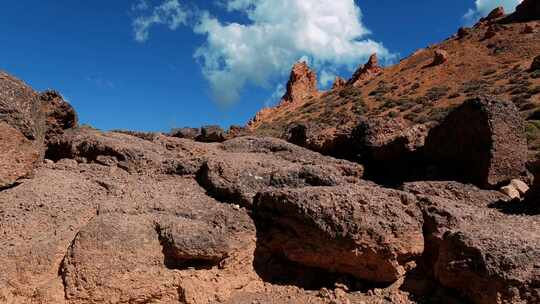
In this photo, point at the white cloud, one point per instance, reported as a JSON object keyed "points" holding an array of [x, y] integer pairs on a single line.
{"points": [[329, 34], [484, 7], [169, 13], [326, 78]]}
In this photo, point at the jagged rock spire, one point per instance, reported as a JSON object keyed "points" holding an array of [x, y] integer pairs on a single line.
{"points": [[367, 71], [302, 84]]}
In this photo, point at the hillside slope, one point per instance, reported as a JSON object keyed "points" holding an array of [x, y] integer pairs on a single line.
{"points": [[493, 57]]}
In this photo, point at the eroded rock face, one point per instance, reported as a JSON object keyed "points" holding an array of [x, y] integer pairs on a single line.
{"points": [[302, 84], [496, 13], [59, 114], [482, 141], [367, 71], [535, 65], [339, 83], [23, 127], [375, 232], [440, 57], [487, 256]]}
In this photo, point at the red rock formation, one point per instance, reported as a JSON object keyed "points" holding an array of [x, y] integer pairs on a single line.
{"points": [[302, 84], [441, 56], [495, 14], [339, 83], [367, 71]]}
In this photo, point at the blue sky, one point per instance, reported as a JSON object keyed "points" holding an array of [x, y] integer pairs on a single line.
{"points": [[194, 67]]}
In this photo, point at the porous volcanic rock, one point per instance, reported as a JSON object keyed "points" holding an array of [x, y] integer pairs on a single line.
{"points": [[389, 148], [440, 57], [250, 164], [59, 114], [302, 84], [455, 191], [22, 126], [365, 231], [482, 141], [367, 71], [485, 255]]}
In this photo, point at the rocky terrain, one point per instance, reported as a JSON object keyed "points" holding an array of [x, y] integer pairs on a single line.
{"points": [[394, 210]]}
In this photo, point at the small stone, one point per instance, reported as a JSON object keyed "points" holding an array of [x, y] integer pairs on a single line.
{"points": [[519, 186], [512, 192]]}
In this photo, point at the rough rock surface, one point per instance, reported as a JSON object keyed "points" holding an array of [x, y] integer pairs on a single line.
{"points": [[211, 134], [189, 133], [487, 256], [250, 164], [366, 72], [482, 141], [338, 83], [496, 13], [59, 114], [302, 84], [365, 231], [440, 57], [22, 126]]}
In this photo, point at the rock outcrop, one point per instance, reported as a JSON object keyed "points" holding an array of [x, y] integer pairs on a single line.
{"points": [[365, 231], [59, 114], [440, 57], [485, 255], [482, 141], [535, 65], [496, 13], [22, 126], [338, 83], [366, 72], [301, 85]]}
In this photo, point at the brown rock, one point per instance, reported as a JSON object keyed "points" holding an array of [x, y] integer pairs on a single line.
{"points": [[211, 134], [338, 83], [490, 33], [253, 164], [59, 114], [463, 32], [23, 128], [455, 191], [496, 13], [367, 71], [189, 133], [482, 141], [528, 29], [301, 85], [373, 231], [487, 256], [440, 57]]}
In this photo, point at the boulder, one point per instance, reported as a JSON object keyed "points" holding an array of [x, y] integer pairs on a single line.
{"points": [[455, 191], [366, 72], [482, 142], [211, 134], [440, 57], [23, 129], [389, 148], [496, 13], [301, 85], [237, 175], [483, 254], [189, 133], [365, 231]]}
